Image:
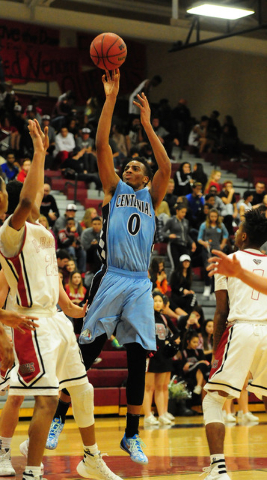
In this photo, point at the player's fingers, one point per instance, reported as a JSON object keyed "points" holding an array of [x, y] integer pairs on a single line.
{"points": [[214, 260], [108, 75], [104, 78]]}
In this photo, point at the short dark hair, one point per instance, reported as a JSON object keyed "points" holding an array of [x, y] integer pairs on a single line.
{"points": [[180, 205], [255, 225], [13, 189], [142, 160], [247, 194], [99, 219], [61, 254]]}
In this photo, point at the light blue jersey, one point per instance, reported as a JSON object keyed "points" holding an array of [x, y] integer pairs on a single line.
{"points": [[128, 229]]}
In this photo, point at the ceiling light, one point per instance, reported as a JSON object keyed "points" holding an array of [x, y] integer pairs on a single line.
{"points": [[219, 11]]}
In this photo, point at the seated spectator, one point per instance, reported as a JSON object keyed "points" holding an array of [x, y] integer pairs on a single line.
{"points": [[182, 295], [26, 164], [84, 141], [194, 321], [170, 198], [168, 311], [78, 166], [213, 181], [119, 139], [63, 258], [182, 121], [73, 126], [176, 232], [163, 212], [214, 200], [10, 169], [193, 138], [214, 129], [74, 288], [70, 267], [258, 193], [212, 235], [244, 204], [135, 137], [229, 141], [207, 336], [62, 110], [49, 160], [157, 275], [199, 175], [196, 369], [60, 223], [89, 214], [48, 206], [196, 202], [90, 239], [44, 221], [12, 136], [164, 136], [229, 212], [69, 239], [64, 145], [183, 180]]}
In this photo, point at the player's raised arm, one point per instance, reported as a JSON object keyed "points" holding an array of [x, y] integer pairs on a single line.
{"points": [[32, 181], [231, 267], [161, 178], [105, 163]]}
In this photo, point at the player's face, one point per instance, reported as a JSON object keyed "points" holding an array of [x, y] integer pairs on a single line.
{"points": [[158, 303], [134, 175], [239, 236]]}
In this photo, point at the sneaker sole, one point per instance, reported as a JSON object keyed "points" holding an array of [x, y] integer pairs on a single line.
{"points": [[12, 474], [133, 459]]}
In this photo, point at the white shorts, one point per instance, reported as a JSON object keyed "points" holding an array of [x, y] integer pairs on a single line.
{"points": [[242, 349], [48, 359], [5, 374]]}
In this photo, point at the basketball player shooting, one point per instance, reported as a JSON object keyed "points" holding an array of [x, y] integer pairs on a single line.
{"points": [[240, 331]]}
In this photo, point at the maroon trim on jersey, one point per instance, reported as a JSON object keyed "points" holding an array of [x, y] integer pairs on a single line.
{"points": [[253, 253], [221, 352], [31, 367]]}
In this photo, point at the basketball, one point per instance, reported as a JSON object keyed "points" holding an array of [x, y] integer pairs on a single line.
{"points": [[108, 51]]}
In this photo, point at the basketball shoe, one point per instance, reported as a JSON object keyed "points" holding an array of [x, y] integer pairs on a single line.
{"points": [[6, 469], [93, 466], [54, 432], [31, 476], [217, 471], [133, 446]]}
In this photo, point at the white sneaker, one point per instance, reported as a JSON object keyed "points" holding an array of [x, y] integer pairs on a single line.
{"points": [[206, 292], [169, 416], [197, 390], [164, 420], [31, 476], [247, 417], [212, 296], [151, 420], [93, 466], [217, 471], [229, 418], [24, 447], [6, 469]]}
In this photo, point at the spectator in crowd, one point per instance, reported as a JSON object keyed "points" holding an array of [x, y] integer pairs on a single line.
{"points": [[85, 142], [214, 129], [195, 202], [51, 131], [26, 164], [170, 198], [80, 166], [89, 214], [119, 139], [163, 212], [11, 134], [70, 267], [74, 288], [196, 369], [158, 275], [145, 87], [212, 235], [207, 336], [44, 221], [61, 221], [229, 141], [258, 194], [176, 232], [64, 145], [69, 239], [182, 120], [229, 212], [10, 169], [213, 181], [192, 321], [183, 180], [165, 137], [159, 368], [199, 175], [244, 204], [182, 295], [63, 109], [89, 240], [217, 202], [63, 258], [49, 206], [135, 137]]}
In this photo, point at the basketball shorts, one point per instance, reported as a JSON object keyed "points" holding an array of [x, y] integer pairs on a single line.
{"points": [[242, 349], [48, 359], [121, 304]]}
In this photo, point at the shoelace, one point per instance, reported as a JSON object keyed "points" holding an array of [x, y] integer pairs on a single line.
{"points": [[205, 470], [136, 444], [54, 429]]}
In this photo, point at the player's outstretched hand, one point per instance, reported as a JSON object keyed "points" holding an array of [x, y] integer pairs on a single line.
{"points": [[85, 308], [144, 108], [6, 352], [43, 134], [230, 267], [17, 321], [111, 83], [36, 136]]}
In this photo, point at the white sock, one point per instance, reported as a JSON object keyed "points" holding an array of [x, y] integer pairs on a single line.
{"points": [[93, 449], [36, 471], [5, 442]]}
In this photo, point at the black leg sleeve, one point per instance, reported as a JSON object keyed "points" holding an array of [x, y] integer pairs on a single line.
{"points": [[90, 351], [136, 357]]}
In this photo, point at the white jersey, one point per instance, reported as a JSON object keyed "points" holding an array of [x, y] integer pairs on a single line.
{"points": [[32, 272], [245, 304]]}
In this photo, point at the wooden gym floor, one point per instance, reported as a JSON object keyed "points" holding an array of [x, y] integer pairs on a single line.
{"points": [[178, 452]]}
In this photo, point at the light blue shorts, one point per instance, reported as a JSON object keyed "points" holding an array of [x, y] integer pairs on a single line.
{"points": [[122, 305]]}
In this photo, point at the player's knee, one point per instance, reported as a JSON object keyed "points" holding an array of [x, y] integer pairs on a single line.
{"points": [[82, 401], [48, 404], [15, 401], [212, 408]]}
